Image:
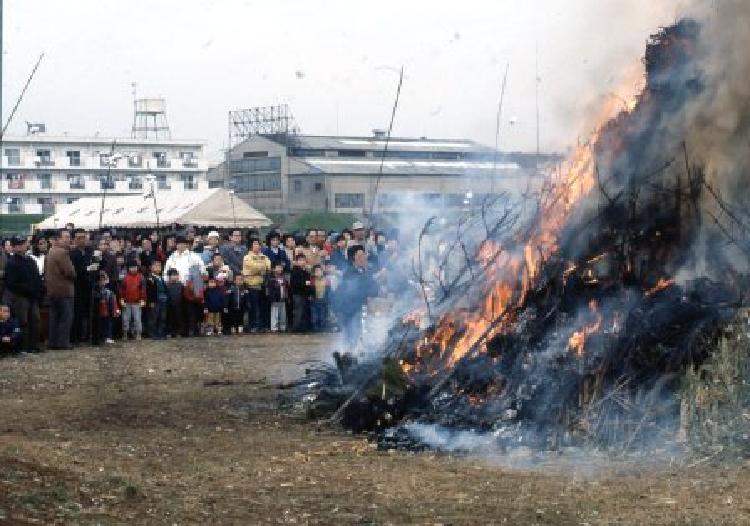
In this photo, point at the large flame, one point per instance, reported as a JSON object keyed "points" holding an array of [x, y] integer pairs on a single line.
{"points": [[511, 274]]}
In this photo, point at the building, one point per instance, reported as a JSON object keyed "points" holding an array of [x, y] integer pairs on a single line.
{"points": [[289, 173], [40, 171]]}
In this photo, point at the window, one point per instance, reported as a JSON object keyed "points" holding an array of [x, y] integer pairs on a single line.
{"points": [[47, 203], [44, 158], [352, 153], [14, 156], [45, 181], [306, 152], [106, 160], [188, 181], [77, 181], [188, 159], [74, 157], [297, 186], [161, 159], [135, 182], [135, 161], [249, 155], [161, 182], [15, 205], [388, 200], [267, 164], [107, 182], [15, 181], [257, 183], [349, 200], [216, 184], [318, 187]]}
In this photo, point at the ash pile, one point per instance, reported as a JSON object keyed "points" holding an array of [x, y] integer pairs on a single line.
{"points": [[596, 311]]}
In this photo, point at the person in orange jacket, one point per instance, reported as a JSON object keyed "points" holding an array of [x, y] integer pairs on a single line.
{"points": [[132, 299]]}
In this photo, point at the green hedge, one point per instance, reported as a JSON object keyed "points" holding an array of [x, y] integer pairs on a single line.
{"points": [[18, 223]]}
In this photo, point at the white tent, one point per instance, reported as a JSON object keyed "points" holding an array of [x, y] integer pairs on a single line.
{"points": [[208, 207]]}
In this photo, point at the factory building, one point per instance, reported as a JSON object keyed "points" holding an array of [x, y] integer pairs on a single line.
{"points": [[293, 173]]}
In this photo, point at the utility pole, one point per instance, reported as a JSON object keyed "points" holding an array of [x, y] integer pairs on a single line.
{"points": [[537, 81]]}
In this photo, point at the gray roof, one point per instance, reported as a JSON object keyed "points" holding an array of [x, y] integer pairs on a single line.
{"points": [[324, 142]]}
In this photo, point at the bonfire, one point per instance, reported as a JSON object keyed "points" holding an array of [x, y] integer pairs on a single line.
{"points": [[571, 318]]}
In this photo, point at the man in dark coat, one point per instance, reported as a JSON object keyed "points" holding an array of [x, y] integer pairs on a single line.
{"points": [[80, 255], [24, 289], [357, 286]]}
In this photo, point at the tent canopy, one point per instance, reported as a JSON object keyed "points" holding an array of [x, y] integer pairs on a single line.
{"points": [[213, 207]]}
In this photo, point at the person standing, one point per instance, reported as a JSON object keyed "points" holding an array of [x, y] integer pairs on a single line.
{"points": [[132, 299], [255, 266], [277, 292], [158, 300], [80, 255], [300, 285], [211, 247], [356, 288], [234, 252], [60, 280], [24, 288]]}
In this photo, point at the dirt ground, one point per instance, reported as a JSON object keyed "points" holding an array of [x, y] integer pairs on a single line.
{"points": [[189, 431]]}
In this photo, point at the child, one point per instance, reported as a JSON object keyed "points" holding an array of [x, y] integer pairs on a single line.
{"points": [[194, 293], [236, 302], [158, 299], [10, 332], [300, 287], [277, 291], [319, 307], [214, 307], [175, 303], [105, 308], [132, 299]]}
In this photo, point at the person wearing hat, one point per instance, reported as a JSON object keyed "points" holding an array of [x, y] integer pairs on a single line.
{"points": [[24, 290], [357, 240], [212, 247]]}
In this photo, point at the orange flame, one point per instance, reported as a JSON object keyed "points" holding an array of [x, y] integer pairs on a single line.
{"points": [[577, 342], [662, 284], [511, 274]]}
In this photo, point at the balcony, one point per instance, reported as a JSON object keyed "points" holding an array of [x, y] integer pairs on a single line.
{"points": [[163, 164], [135, 185], [190, 163], [43, 162], [15, 184], [48, 209]]}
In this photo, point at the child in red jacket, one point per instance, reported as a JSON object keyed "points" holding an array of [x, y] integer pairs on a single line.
{"points": [[132, 299]]}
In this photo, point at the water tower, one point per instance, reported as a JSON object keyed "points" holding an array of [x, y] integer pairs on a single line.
{"points": [[150, 119]]}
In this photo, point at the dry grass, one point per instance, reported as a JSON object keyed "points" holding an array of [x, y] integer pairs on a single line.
{"points": [[133, 435]]}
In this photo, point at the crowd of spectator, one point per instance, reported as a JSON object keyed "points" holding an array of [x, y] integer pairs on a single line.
{"points": [[73, 288]]}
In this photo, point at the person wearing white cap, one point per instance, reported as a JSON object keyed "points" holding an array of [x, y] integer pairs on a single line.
{"points": [[358, 237], [211, 248]]}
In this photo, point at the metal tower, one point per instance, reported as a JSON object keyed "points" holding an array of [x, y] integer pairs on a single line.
{"points": [[265, 120]]}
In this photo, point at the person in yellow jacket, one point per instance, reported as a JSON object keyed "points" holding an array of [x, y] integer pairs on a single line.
{"points": [[255, 266]]}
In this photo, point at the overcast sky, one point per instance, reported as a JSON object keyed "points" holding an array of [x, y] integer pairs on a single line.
{"points": [[334, 62]]}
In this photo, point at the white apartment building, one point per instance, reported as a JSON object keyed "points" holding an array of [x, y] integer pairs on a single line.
{"points": [[40, 171]]}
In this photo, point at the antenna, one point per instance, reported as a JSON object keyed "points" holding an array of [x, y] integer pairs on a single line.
{"points": [[133, 86]]}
